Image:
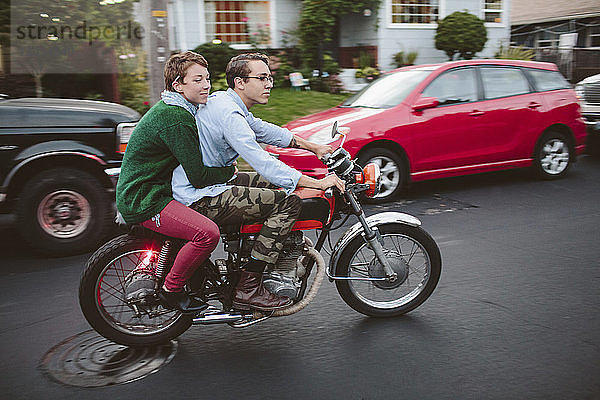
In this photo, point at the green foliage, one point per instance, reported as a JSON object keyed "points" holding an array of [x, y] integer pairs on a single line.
{"points": [[402, 59], [515, 53], [217, 55], [318, 21], [261, 37], [367, 72], [460, 33], [65, 54], [328, 81], [365, 60], [218, 83], [330, 65], [134, 92]]}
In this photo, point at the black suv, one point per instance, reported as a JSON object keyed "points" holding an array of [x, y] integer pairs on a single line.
{"points": [[59, 163]]}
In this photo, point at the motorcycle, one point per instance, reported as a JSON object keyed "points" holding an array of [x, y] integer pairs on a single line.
{"points": [[383, 266]]}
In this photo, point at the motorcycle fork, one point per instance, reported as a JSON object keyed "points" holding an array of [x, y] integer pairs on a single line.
{"points": [[372, 236]]}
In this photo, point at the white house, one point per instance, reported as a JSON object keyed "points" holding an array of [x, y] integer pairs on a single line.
{"points": [[398, 25]]}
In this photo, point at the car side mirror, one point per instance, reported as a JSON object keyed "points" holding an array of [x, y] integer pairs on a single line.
{"points": [[424, 103]]}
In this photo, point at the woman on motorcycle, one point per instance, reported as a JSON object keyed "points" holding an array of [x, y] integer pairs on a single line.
{"points": [[165, 137]]}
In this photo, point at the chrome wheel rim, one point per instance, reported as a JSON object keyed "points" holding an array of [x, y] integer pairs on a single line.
{"points": [[390, 175], [554, 157], [414, 256], [64, 214], [111, 291]]}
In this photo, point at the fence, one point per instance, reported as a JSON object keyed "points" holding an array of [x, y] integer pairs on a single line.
{"points": [[575, 64]]}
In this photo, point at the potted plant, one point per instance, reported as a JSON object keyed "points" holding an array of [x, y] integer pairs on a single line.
{"points": [[368, 74]]}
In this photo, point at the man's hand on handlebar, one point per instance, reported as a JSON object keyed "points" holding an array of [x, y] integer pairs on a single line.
{"points": [[321, 149], [318, 149], [330, 181], [323, 183]]}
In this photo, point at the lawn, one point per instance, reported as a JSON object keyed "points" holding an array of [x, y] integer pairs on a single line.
{"points": [[286, 105]]}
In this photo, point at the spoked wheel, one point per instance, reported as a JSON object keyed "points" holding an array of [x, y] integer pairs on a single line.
{"points": [[412, 254], [104, 288], [553, 156]]}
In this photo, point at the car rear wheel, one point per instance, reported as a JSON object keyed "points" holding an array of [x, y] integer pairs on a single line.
{"points": [[394, 173], [63, 211], [553, 155]]}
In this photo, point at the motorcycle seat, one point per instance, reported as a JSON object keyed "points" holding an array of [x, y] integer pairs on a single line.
{"points": [[314, 214]]}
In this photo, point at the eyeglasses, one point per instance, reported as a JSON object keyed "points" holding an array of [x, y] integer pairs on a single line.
{"points": [[263, 78]]}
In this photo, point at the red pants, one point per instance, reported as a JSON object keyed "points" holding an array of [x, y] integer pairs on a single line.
{"points": [[202, 234]]}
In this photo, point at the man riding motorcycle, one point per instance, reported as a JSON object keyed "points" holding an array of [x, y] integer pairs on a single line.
{"points": [[227, 130]]}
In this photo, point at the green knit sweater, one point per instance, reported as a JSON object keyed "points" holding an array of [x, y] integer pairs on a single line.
{"points": [[165, 137]]}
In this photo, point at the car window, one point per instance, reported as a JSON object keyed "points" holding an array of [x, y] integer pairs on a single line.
{"points": [[389, 90], [548, 80], [502, 82], [454, 86]]}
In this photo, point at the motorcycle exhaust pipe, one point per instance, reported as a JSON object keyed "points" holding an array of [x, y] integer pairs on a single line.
{"points": [[220, 318]]}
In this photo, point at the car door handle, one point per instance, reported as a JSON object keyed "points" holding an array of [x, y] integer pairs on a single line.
{"points": [[476, 113], [533, 104]]}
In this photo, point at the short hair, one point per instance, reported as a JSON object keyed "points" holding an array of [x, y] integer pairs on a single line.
{"points": [[238, 66], [178, 64]]}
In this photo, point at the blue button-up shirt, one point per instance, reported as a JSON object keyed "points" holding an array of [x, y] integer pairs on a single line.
{"points": [[228, 130]]}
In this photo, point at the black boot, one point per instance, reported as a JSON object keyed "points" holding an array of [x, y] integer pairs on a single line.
{"points": [[181, 301], [251, 294]]}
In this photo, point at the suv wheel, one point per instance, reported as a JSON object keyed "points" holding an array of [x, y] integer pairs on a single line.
{"points": [[63, 211], [553, 156]]}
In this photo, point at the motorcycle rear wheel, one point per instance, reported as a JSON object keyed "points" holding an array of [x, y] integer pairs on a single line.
{"points": [[102, 296], [419, 272]]}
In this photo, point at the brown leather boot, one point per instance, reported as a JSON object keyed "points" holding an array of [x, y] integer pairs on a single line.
{"points": [[251, 294]]}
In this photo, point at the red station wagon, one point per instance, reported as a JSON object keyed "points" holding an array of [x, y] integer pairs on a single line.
{"points": [[456, 118]]}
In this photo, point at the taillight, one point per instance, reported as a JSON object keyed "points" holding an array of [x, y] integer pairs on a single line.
{"points": [[124, 132], [147, 260], [371, 175]]}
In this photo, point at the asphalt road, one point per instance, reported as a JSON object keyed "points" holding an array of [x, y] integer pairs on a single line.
{"points": [[516, 314]]}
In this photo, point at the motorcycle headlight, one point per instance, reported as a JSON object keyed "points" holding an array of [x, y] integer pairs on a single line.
{"points": [[371, 175]]}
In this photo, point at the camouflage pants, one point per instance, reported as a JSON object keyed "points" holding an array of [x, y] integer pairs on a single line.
{"points": [[253, 199]]}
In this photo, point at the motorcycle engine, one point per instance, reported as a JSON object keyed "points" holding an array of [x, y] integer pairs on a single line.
{"points": [[283, 278]]}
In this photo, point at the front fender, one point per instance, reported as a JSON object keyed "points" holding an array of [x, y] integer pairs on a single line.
{"points": [[357, 229]]}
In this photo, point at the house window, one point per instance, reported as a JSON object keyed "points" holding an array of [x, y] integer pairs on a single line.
{"points": [[551, 37], [547, 39], [415, 11], [492, 11], [242, 21]]}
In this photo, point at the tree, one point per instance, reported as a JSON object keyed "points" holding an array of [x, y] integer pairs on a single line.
{"points": [[67, 37], [319, 19], [217, 55], [460, 33]]}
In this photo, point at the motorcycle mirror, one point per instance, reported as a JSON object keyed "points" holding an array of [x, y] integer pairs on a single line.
{"points": [[334, 130]]}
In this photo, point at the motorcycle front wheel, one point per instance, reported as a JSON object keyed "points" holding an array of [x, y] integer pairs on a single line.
{"points": [[102, 295], [413, 255]]}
